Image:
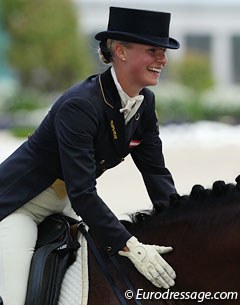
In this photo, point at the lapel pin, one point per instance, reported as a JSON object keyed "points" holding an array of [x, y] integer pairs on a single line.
{"points": [[134, 143]]}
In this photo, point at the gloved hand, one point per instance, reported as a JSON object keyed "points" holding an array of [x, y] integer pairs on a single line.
{"points": [[148, 261]]}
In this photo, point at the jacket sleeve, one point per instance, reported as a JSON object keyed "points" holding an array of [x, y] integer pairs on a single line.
{"points": [[76, 126], [148, 157]]}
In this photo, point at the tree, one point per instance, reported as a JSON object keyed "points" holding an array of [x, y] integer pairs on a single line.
{"points": [[47, 50]]}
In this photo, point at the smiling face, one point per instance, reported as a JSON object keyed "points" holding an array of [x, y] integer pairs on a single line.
{"points": [[138, 66]]}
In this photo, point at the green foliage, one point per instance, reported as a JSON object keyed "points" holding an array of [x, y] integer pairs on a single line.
{"points": [[181, 100], [23, 111], [25, 100], [176, 103], [22, 132], [193, 71], [222, 104], [47, 50]]}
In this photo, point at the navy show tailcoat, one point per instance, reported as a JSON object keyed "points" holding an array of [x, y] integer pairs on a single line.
{"points": [[83, 135]]}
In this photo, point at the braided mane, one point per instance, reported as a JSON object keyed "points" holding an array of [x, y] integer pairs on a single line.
{"points": [[220, 193]]}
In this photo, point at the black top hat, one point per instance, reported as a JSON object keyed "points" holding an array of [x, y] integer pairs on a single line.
{"points": [[140, 26]]}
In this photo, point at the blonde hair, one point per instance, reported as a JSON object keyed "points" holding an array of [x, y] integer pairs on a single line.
{"points": [[106, 50]]}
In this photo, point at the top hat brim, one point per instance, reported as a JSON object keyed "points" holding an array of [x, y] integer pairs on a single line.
{"points": [[169, 43]]}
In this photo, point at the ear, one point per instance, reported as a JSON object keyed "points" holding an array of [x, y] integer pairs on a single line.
{"points": [[120, 51]]}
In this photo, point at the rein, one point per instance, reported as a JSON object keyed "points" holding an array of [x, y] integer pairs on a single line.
{"points": [[104, 268]]}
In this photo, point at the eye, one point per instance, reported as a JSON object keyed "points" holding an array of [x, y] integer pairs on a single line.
{"points": [[152, 50], [155, 50]]}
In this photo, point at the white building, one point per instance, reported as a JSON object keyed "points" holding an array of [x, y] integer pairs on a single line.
{"points": [[209, 26]]}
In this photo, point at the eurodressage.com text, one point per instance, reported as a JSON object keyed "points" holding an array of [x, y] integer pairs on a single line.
{"points": [[184, 295]]}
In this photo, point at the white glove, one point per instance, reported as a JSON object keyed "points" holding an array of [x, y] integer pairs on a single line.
{"points": [[148, 261]]}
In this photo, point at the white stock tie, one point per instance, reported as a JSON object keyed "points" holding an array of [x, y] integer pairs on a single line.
{"points": [[131, 107], [130, 104]]}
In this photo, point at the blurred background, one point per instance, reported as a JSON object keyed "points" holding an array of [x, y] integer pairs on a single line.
{"points": [[47, 46]]}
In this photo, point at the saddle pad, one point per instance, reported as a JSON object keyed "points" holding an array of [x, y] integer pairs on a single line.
{"points": [[75, 286]]}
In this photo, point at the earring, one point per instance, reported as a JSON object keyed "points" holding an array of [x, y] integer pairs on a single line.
{"points": [[123, 58]]}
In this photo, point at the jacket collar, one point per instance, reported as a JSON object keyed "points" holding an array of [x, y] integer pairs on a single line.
{"points": [[112, 105]]}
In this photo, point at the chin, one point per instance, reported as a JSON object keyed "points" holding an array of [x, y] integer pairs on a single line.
{"points": [[153, 83]]}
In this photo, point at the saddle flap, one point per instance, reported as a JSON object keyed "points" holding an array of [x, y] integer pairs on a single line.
{"points": [[56, 250], [50, 230]]}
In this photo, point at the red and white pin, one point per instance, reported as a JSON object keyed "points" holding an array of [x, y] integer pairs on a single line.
{"points": [[134, 143]]}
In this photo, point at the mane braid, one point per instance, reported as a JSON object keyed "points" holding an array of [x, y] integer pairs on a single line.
{"points": [[198, 196]]}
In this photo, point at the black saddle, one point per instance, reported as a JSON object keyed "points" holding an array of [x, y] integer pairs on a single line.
{"points": [[55, 251]]}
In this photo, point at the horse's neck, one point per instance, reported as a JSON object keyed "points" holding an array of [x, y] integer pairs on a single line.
{"points": [[206, 246], [189, 220]]}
